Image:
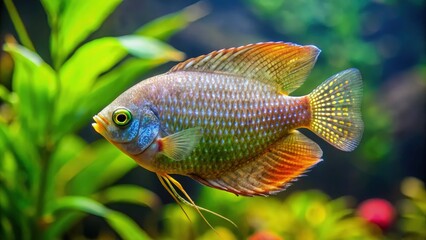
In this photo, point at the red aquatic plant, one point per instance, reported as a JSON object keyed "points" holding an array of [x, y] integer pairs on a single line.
{"points": [[377, 211]]}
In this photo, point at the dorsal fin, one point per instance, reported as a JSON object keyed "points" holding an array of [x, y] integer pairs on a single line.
{"points": [[284, 65]]}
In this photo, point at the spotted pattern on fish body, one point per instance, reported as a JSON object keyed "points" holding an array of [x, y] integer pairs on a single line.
{"points": [[226, 118], [238, 118]]}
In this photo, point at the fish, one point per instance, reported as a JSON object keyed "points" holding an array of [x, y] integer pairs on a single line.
{"points": [[226, 119]]}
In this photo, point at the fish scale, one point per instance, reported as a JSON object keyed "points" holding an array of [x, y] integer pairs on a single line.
{"points": [[222, 105]]}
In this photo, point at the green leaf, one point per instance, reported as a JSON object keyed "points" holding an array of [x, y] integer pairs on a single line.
{"points": [[129, 193], [125, 226], [110, 85], [87, 63], [72, 21], [65, 152], [34, 82], [115, 170], [4, 94], [52, 8], [13, 139], [80, 73], [149, 48], [4, 137], [83, 204], [121, 223], [8, 168], [62, 223], [100, 159], [6, 229], [14, 206], [164, 27]]}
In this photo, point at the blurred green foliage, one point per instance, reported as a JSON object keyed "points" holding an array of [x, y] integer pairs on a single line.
{"points": [[413, 209], [302, 215], [50, 177]]}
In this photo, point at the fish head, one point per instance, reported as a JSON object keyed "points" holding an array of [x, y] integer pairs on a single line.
{"points": [[129, 127]]}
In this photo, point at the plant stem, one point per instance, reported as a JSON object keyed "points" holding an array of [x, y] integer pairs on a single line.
{"points": [[18, 24], [45, 154], [49, 146]]}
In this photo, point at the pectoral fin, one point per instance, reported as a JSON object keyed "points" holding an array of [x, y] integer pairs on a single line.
{"points": [[179, 145]]}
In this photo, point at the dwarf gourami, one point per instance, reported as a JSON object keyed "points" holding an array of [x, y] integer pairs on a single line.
{"points": [[226, 119]]}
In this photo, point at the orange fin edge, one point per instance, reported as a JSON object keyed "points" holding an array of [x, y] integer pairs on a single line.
{"points": [[291, 63], [271, 171]]}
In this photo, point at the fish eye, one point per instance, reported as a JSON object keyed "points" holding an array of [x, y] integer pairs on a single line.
{"points": [[121, 117]]}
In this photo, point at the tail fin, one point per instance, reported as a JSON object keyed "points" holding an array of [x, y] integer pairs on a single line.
{"points": [[335, 105]]}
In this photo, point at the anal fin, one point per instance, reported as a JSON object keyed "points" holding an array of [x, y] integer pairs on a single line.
{"points": [[271, 171]]}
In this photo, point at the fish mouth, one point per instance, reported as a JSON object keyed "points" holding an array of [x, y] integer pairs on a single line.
{"points": [[99, 124]]}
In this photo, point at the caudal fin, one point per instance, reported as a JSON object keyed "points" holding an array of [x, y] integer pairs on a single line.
{"points": [[336, 114]]}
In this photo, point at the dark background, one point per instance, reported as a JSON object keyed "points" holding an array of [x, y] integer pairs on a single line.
{"points": [[384, 39]]}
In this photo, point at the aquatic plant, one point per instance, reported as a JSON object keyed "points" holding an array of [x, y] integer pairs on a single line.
{"points": [[345, 23], [301, 215], [49, 176], [413, 209], [40, 115], [309, 214]]}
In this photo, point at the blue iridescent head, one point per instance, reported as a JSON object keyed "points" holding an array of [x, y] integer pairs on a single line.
{"points": [[130, 128]]}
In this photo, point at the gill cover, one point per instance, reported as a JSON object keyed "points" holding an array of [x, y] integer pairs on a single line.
{"points": [[146, 132], [149, 128]]}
